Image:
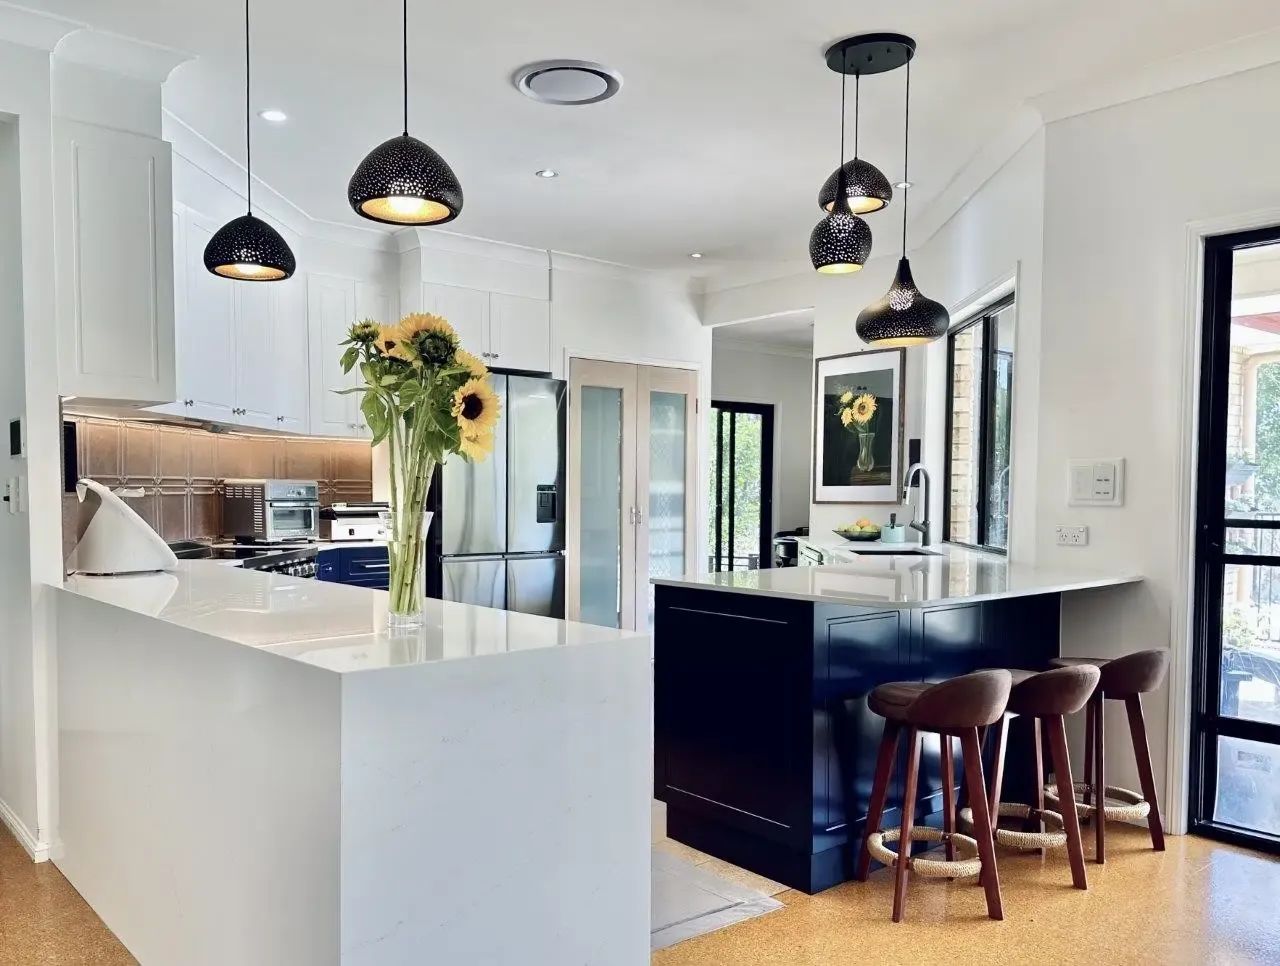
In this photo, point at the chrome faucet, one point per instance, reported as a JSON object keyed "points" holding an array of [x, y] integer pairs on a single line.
{"points": [[924, 527]]}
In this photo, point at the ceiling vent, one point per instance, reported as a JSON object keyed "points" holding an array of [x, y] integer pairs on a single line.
{"points": [[568, 82]]}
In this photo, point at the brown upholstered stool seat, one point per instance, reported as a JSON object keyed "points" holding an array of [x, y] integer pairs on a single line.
{"points": [[1124, 679], [953, 709], [1043, 699]]}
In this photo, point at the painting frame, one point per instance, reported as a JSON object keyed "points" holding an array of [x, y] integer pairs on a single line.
{"points": [[883, 481]]}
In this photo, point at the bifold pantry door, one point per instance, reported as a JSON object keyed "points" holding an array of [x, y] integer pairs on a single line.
{"points": [[633, 472]]}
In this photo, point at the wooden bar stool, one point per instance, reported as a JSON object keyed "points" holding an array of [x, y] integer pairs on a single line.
{"points": [[953, 709], [1122, 679], [1043, 698]]}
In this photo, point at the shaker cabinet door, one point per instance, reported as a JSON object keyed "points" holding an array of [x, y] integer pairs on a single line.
{"points": [[331, 309], [520, 333], [206, 334], [467, 310]]}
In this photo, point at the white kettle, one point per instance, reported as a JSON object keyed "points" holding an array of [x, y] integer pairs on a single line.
{"points": [[117, 540]]}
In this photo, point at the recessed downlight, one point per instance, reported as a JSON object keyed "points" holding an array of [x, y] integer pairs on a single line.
{"points": [[274, 115], [903, 185], [547, 173], [567, 83], [695, 254]]}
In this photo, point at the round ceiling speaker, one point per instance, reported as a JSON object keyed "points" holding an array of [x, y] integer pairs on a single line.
{"points": [[567, 82]]}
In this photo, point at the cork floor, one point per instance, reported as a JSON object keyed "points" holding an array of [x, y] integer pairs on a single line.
{"points": [[1198, 903]]}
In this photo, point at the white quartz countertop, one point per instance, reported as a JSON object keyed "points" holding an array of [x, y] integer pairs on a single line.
{"points": [[954, 575], [329, 625]]}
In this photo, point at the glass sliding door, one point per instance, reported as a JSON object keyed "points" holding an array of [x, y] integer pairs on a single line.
{"points": [[632, 472], [741, 518], [1236, 725]]}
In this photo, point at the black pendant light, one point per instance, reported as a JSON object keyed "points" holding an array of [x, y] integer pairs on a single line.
{"points": [[866, 187], [904, 317], [841, 242], [247, 248], [403, 181]]}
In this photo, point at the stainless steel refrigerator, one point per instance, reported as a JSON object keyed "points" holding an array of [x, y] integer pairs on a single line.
{"points": [[497, 539]]}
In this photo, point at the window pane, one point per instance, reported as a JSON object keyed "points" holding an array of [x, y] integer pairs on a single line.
{"points": [[1251, 643], [1248, 785], [601, 506], [667, 439], [1253, 418], [997, 502], [746, 496], [966, 404]]}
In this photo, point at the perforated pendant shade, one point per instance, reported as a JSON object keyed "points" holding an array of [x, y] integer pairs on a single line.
{"points": [[840, 243], [904, 317], [249, 249], [404, 182], [867, 188]]}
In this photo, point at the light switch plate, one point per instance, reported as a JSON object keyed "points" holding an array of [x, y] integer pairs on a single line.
{"points": [[1095, 482]]}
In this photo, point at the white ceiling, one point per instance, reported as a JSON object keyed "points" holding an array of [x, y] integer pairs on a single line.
{"points": [[793, 330], [719, 140]]}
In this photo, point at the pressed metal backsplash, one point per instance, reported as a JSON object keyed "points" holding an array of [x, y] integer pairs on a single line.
{"points": [[180, 466]]}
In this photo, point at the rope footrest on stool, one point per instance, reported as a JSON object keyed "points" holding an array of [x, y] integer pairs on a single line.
{"points": [[1015, 839], [1132, 806], [962, 868]]}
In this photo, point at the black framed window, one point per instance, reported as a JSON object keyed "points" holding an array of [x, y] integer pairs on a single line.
{"points": [[741, 535], [1235, 726], [979, 412]]}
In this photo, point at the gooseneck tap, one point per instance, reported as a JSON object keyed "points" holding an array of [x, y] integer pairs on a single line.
{"points": [[926, 538]]}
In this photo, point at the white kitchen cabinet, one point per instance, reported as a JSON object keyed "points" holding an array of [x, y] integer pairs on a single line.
{"points": [[519, 333], [506, 331], [331, 309], [206, 334], [114, 256], [292, 357], [255, 353]]}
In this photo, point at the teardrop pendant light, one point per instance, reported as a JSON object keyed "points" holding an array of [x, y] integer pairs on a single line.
{"points": [[866, 187], [905, 316], [403, 181], [841, 242], [247, 248]]}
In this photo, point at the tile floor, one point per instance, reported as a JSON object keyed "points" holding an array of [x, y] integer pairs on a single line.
{"points": [[1198, 904]]}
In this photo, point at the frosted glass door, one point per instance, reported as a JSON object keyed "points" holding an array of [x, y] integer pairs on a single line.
{"points": [[667, 478], [601, 529]]}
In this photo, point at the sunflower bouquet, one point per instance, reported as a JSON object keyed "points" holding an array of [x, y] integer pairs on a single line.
{"points": [[429, 399], [859, 414]]}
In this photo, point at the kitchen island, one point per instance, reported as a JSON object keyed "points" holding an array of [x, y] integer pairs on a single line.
{"points": [[764, 745], [252, 771]]}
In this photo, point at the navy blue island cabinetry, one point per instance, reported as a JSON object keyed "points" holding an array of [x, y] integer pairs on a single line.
{"points": [[362, 566], [764, 745]]}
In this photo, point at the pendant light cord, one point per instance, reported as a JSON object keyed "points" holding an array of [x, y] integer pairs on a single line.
{"points": [[248, 135], [906, 157], [842, 187], [857, 112], [405, 37]]}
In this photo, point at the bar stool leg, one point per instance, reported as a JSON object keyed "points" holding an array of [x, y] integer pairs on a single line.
{"points": [[879, 794], [1088, 757], [1037, 824], [1099, 780], [982, 823], [1057, 729], [914, 741], [997, 768], [948, 796], [1141, 751]]}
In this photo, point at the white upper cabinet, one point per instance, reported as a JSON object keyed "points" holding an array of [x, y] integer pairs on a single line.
{"points": [[331, 309], [506, 331], [255, 342], [519, 333], [114, 249], [206, 333], [467, 310], [292, 354]]}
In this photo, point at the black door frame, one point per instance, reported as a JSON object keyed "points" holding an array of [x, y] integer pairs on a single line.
{"points": [[721, 408], [1211, 557]]}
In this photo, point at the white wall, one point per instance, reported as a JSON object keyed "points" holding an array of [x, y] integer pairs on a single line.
{"points": [[30, 543], [742, 372]]}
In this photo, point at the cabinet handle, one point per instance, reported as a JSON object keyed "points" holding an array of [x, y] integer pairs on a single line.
{"points": [[279, 419], [188, 402]]}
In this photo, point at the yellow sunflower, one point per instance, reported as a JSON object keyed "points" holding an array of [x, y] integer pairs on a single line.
{"points": [[390, 343], [476, 407], [477, 447], [417, 322], [846, 397], [478, 369], [846, 417], [864, 407]]}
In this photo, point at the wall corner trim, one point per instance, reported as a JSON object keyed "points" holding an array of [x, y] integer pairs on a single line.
{"points": [[36, 848]]}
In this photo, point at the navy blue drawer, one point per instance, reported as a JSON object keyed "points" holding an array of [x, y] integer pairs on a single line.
{"points": [[362, 563]]}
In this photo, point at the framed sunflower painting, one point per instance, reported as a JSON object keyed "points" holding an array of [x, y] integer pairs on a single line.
{"points": [[858, 427]]}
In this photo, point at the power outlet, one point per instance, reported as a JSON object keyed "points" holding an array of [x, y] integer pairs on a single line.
{"points": [[1073, 536]]}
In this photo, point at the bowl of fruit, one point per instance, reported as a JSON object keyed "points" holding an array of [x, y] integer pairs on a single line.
{"points": [[864, 529]]}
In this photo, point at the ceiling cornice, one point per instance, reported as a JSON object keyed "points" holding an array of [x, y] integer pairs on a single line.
{"points": [[117, 54], [34, 28], [760, 348]]}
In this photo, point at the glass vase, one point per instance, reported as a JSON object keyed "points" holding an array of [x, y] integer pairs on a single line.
{"points": [[866, 452], [407, 522]]}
